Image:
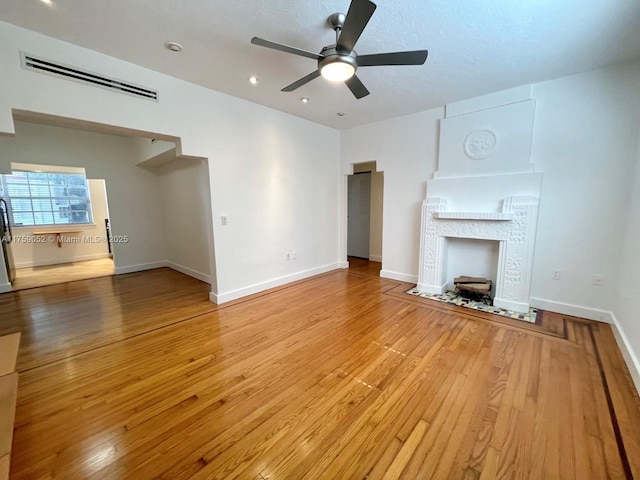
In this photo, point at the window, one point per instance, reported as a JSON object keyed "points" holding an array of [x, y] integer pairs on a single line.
{"points": [[48, 197]]}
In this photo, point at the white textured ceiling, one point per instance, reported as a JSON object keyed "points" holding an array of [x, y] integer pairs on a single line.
{"points": [[475, 47]]}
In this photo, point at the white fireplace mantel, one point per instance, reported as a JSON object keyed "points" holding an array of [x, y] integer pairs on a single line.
{"points": [[514, 227]]}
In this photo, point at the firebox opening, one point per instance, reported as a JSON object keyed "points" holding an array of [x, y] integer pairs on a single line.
{"points": [[472, 258]]}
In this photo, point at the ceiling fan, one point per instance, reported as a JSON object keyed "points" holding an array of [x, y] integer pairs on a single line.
{"points": [[339, 62]]}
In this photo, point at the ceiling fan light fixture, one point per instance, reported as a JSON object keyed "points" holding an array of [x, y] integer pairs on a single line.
{"points": [[337, 71], [339, 62]]}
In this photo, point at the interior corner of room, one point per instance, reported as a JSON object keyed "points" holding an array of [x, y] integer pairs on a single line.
{"points": [[253, 207]]}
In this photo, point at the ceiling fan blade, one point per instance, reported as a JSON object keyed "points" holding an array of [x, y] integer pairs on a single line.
{"points": [[357, 87], [302, 81], [417, 57], [358, 16], [284, 48]]}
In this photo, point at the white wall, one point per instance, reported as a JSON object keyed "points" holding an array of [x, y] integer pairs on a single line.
{"points": [[626, 301], [405, 149], [278, 187], [186, 216], [29, 254], [268, 172], [585, 142]]}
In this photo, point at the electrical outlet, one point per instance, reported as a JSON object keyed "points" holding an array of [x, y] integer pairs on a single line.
{"points": [[556, 275], [223, 219], [598, 279]]}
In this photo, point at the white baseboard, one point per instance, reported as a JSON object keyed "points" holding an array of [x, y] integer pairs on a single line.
{"points": [[44, 263], [509, 305], [276, 282], [573, 310], [343, 264], [190, 271], [630, 358], [174, 266], [431, 289], [402, 277], [5, 287], [139, 267], [375, 258]]}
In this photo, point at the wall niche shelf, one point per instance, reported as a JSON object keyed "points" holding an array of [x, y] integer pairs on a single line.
{"points": [[58, 235], [486, 216]]}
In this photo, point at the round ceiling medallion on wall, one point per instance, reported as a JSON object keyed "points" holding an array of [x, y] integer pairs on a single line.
{"points": [[480, 144]]}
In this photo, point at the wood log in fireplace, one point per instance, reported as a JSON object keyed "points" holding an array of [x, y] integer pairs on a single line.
{"points": [[477, 285]]}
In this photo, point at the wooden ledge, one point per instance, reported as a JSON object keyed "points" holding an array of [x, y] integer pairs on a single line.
{"points": [[4, 467], [8, 396], [9, 352], [58, 235]]}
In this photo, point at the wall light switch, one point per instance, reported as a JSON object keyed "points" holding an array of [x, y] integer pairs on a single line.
{"points": [[598, 280]]}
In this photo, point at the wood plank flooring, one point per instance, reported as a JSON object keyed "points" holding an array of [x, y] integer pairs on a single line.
{"points": [[61, 273], [340, 376]]}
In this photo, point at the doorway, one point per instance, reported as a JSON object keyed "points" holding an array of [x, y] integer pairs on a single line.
{"points": [[60, 232], [364, 212], [359, 221]]}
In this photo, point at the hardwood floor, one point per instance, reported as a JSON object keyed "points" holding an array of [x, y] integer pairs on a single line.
{"points": [[340, 376], [61, 273]]}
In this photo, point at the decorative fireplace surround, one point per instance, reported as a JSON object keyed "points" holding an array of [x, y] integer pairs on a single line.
{"points": [[514, 227], [486, 188]]}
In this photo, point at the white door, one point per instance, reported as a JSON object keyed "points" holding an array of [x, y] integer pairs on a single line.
{"points": [[358, 206]]}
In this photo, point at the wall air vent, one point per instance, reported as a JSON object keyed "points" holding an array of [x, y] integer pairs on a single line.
{"points": [[29, 62]]}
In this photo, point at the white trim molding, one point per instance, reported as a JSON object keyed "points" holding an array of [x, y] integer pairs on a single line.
{"points": [[79, 258], [514, 227], [401, 277], [375, 258], [630, 358], [203, 277], [573, 310], [5, 287], [139, 267], [220, 298]]}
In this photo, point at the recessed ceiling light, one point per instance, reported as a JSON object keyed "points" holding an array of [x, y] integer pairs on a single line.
{"points": [[173, 46], [253, 80], [341, 114], [304, 99], [47, 2]]}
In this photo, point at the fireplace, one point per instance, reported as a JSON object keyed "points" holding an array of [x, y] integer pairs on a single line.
{"points": [[485, 189], [513, 227]]}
